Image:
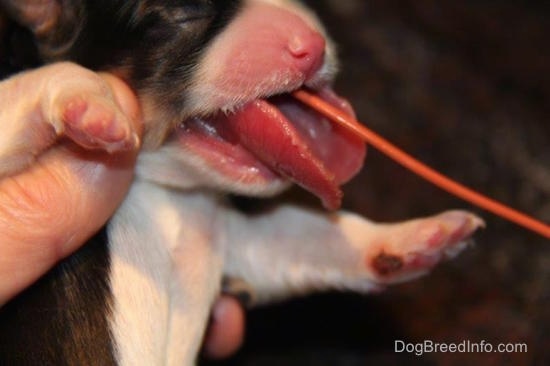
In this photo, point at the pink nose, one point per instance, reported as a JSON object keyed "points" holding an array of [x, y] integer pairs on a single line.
{"points": [[277, 40], [307, 49], [266, 50]]}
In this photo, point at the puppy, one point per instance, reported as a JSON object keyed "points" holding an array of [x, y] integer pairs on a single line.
{"points": [[213, 79]]}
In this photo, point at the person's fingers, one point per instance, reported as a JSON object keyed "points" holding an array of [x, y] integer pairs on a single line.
{"points": [[50, 209], [226, 332]]}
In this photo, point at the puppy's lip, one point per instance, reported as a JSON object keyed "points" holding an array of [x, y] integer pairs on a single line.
{"points": [[223, 153]]}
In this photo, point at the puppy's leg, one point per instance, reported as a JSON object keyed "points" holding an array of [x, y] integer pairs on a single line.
{"points": [[38, 106], [291, 251]]}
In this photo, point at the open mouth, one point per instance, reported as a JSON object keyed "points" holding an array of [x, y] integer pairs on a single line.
{"points": [[278, 137]]}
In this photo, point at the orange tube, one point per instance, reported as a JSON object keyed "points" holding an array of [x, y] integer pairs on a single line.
{"points": [[419, 168]]}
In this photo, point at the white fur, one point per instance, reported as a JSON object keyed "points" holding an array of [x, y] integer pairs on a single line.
{"points": [[166, 271]]}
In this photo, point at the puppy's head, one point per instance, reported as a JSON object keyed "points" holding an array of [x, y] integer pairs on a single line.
{"points": [[213, 78]]}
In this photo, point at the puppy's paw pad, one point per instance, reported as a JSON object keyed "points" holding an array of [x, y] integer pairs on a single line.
{"points": [[96, 122], [451, 228], [412, 249]]}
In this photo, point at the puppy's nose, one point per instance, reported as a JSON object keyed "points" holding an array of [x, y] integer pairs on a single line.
{"points": [[307, 49]]}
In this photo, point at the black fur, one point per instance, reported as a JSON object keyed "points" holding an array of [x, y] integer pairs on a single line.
{"points": [[62, 318], [154, 44]]}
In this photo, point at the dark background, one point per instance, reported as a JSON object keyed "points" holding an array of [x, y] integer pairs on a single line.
{"points": [[465, 87]]}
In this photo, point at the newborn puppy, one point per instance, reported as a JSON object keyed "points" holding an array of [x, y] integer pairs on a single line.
{"points": [[213, 78]]}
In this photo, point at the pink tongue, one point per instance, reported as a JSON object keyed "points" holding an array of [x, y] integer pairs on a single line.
{"points": [[310, 151]]}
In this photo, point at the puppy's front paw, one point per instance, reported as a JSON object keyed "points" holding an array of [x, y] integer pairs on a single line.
{"points": [[38, 106], [84, 108], [408, 250]]}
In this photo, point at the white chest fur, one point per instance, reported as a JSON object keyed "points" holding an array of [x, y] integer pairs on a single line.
{"points": [[166, 250]]}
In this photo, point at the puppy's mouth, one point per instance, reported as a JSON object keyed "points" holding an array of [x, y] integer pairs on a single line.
{"points": [[278, 137]]}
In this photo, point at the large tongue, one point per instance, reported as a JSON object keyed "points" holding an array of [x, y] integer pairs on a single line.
{"points": [[298, 143]]}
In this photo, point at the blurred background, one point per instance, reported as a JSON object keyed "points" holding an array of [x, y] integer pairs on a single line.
{"points": [[465, 87]]}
